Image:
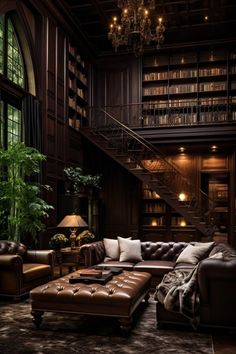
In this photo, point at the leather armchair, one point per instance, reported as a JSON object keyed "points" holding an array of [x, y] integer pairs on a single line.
{"points": [[22, 270]]}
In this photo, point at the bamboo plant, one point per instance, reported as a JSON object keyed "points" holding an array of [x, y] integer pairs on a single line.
{"points": [[21, 208]]}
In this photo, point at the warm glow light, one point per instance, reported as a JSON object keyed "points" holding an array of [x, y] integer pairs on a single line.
{"points": [[214, 148], [182, 149], [154, 222], [206, 18], [182, 197], [182, 223], [135, 28]]}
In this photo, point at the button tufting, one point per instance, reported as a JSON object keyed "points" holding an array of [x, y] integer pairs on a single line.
{"points": [[60, 288]]}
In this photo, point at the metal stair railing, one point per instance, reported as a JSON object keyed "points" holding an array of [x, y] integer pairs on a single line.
{"points": [[143, 158]]}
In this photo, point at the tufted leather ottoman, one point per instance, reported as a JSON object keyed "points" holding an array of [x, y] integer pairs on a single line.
{"points": [[119, 297]]}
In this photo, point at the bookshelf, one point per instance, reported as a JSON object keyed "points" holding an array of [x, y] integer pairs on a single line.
{"points": [[77, 88], [195, 87], [160, 222]]}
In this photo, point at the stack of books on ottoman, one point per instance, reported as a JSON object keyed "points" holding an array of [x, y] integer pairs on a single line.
{"points": [[91, 275]]}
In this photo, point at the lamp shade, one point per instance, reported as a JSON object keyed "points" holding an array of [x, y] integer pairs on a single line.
{"points": [[72, 221]]}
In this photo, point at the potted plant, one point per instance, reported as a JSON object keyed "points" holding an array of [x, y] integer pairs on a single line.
{"points": [[58, 241], [79, 181], [21, 207], [85, 237]]}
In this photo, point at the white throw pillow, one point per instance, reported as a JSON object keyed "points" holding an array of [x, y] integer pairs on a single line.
{"points": [[112, 249], [194, 253], [130, 250]]}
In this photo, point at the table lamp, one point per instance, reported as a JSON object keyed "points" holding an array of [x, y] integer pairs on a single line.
{"points": [[74, 222]]}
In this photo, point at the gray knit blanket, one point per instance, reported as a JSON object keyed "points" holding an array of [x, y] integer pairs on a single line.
{"points": [[178, 292]]}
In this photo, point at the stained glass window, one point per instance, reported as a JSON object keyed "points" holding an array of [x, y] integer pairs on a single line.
{"points": [[1, 44], [15, 66]]}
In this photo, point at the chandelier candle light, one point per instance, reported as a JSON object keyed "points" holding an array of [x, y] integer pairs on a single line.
{"points": [[134, 28]]}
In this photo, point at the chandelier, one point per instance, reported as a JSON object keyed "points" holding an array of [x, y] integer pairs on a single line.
{"points": [[134, 28]]}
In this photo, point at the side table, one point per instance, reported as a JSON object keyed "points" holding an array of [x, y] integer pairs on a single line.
{"points": [[70, 258]]}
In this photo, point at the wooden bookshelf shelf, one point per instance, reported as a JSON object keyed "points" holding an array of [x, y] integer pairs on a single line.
{"points": [[77, 88], [193, 80]]}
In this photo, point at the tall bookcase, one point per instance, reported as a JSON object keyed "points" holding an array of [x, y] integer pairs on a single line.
{"points": [[187, 88], [77, 88], [160, 222]]}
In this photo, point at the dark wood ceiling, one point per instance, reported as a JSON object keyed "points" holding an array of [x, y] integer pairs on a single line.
{"points": [[184, 20]]}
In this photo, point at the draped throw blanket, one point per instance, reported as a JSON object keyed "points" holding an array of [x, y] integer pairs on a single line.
{"points": [[178, 292]]}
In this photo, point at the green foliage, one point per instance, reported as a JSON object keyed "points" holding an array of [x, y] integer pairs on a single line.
{"points": [[21, 207], [79, 180]]}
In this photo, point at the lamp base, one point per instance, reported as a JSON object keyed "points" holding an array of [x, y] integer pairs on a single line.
{"points": [[73, 239]]}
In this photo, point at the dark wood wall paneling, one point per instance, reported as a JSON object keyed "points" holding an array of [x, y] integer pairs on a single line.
{"points": [[116, 81], [119, 197]]}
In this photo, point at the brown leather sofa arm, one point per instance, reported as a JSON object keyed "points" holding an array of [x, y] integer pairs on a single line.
{"points": [[93, 253], [10, 261], [215, 273], [41, 256]]}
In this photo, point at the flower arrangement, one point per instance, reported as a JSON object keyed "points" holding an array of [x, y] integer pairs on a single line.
{"points": [[85, 235], [58, 241]]}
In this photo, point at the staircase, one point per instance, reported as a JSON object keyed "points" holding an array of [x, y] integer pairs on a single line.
{"points": [[152, 167]]}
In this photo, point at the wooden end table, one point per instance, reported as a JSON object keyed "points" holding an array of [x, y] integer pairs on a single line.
{"points": [[70, 258]]}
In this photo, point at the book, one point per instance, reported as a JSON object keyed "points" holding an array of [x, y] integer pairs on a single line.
{"points": [[95, 273]]}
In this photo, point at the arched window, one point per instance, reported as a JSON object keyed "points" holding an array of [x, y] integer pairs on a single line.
{"points": [[13, 73]]}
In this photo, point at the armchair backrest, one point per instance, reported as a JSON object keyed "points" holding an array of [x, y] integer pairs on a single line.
{"points": [[12, 247]]}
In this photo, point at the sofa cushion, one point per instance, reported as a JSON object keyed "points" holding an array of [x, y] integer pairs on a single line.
{"points": [[130, 250], [33, 271], [194, 253], [156, 268], [123, 265]]}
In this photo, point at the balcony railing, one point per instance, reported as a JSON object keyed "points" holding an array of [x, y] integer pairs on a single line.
{"points": [[175, 113]]}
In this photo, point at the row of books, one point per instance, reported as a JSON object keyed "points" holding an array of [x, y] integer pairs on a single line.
{"points": [[184, 74], [72, 51], [175, 119], [154, 208], [147, 193]]}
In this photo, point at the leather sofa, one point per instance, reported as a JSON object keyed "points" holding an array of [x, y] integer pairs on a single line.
{"points": [[158, 258], [216, 279], [22, 270]]}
